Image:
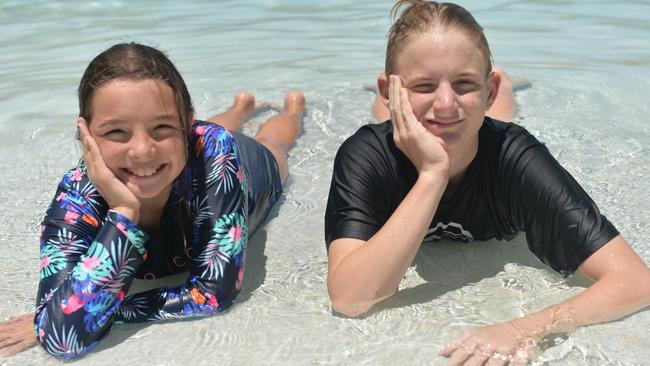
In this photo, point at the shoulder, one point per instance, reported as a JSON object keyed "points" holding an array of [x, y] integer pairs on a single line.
{"points": [[371, 155], [506, 135], [210, 139], [370, 141], [508, 144], [374, 133]]}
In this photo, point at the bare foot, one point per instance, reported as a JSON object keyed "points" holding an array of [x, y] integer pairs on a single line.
{"points": [[244, 103], [369, 87], [519, 84], [294, 102]]}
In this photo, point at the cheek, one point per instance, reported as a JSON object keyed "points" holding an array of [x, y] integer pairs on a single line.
{"points": [[420, 103], [176, 148], [474, 103], [111, 153]]}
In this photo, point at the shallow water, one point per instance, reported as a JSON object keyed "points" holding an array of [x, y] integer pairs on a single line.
{"points": [[589, 62]]}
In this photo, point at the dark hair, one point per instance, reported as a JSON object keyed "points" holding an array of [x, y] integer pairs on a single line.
{"points": [[133, 61], [421, 16]]}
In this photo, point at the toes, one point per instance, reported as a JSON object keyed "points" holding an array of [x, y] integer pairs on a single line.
{"points": [[294, 102]]}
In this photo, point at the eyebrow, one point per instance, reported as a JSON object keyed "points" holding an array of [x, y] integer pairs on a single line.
{"points": [[165, 117], [117, 121], [468, 74]]}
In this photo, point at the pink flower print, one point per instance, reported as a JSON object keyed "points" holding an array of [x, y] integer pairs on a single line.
{"points": [[212, 300], [61, 196], [71, 305], [120, 226], [76, 175], [45, 262], [200, 130], [119, 295], [236, 233], [41, 334], [71, 217], [89, 263], [240, 175]]}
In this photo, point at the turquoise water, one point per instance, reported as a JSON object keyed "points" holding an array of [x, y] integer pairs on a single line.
{"points": [[589, 62]]}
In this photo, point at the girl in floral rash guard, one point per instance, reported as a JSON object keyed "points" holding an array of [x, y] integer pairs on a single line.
{"points": [[155, 194]]}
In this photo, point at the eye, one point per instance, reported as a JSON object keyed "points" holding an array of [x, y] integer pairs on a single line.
{"points": [[164, 126], [116, 132], [164, 130], [465, 85], [423, 88]]}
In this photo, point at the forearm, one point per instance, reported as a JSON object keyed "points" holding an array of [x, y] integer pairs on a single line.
{"points": [[79, 303], [612, 297], [374, 270], [196, 298]]}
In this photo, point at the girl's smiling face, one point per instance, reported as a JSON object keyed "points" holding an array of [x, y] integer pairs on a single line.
{"points": [[138, 131], [449, 90]]}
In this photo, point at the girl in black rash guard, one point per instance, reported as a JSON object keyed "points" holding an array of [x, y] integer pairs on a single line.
{"points": [[440, 168]]}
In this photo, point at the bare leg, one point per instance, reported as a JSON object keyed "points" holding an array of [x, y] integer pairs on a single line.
{"points": [[241, 109], [503, 108], [279, 132]]}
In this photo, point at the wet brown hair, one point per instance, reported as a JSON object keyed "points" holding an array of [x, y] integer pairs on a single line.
{"points": [[420, 16], [134, 61]]}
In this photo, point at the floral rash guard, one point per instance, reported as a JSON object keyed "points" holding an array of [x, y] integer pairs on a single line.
{"points": [[90, 254]]}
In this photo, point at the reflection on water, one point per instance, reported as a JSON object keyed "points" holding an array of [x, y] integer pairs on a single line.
{"points": [[589, 64]]}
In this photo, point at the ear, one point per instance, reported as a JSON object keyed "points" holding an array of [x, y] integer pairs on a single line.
{"points": [[493, 83], [382, 87]]}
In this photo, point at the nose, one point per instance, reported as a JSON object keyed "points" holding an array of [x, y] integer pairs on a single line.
{"points": [[444, 100], [142, 147]]}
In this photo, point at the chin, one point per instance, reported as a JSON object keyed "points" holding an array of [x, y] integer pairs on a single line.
{"points": [[143, 194]]}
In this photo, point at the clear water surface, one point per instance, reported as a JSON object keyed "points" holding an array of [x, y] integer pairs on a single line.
{"points": [[589, 62]]}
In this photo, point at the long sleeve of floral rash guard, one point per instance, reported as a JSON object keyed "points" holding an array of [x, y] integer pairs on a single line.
{"points": [[90, 254]]}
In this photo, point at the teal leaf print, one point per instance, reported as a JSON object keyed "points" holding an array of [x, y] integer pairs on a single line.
{"points": [[52, 260], [95, 265], [230, 233], [229, 239]]}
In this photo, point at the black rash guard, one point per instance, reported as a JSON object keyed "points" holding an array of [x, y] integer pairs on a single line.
{"points": [[513, 184]]}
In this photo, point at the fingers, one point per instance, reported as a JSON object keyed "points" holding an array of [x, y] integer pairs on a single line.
{"points": [[90, 149], [407, 109], [497, 359], [394, 102], [450, 347], [17, 318], [92, 156], [400, 106], [18, 347], [17, 334], [477, 359], [459, 356]]}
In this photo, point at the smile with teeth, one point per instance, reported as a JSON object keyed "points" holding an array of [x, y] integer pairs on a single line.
{"points": [[143, 172]]}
